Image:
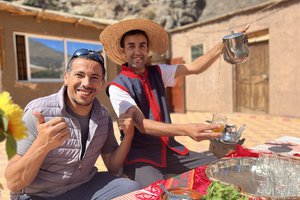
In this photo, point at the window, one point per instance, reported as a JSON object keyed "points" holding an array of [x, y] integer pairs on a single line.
{"points": [[197, 50], [42, 58]]}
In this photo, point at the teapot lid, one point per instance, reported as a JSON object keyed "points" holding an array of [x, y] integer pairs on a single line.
{"points": [[232, 35]]}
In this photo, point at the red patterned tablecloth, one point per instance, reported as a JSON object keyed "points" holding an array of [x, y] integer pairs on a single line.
{"points": [[193, 179], [196, 178]]}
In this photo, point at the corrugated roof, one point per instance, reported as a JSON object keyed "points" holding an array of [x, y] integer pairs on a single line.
{"points": [[42, 14]]}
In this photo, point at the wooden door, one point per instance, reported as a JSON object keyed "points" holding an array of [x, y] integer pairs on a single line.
{"points": [[252, 80], [176, 94]]}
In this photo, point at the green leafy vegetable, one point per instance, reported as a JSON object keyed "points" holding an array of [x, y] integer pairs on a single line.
{"points": [[219, 191]]}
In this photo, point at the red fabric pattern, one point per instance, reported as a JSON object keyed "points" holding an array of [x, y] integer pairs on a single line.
{"points": [[152, 192], [242, 152], [201, 182], [195, 179]]}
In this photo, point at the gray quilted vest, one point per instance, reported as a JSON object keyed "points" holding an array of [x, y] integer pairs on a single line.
{"points": [[63, 168]]}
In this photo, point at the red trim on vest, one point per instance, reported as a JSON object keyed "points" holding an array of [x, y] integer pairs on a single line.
{"points": [[155, 108], [119, 86], [130, 72]]}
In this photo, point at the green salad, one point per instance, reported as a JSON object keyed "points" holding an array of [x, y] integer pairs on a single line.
{"points": [[219, 191]]}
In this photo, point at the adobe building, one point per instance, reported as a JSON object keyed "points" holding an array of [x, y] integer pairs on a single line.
{"points": [[267, 83], [27, 35]]}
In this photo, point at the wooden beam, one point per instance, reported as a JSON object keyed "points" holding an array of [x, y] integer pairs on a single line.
{"points": [[1, 57], [42, 14], [39, 16], [1, 49]]}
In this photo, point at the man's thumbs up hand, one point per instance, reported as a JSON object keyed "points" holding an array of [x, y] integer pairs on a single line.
{"points": [[40, 117], [52, 133]]}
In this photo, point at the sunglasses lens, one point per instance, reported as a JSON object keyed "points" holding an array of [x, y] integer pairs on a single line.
{"points": [[80, 52], [93, 55]]}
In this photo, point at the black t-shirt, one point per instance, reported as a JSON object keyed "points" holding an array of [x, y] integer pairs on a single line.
{"points": [[84, 127]]}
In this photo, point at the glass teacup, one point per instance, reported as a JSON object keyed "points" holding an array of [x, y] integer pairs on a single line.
{"points": [[220, 120]]}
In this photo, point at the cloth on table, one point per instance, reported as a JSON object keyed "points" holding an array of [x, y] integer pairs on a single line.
{"points": [[194, 179]]}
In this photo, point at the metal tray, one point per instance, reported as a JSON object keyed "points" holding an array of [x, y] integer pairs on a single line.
{"points": [[236, 172]]}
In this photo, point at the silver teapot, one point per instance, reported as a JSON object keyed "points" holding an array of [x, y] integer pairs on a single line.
{"points": [[230, 133], [235, 50]]}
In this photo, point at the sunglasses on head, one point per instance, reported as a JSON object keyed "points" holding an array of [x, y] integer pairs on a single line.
{"points": [[93, 55]]}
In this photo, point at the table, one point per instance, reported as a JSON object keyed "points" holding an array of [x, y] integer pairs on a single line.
{"points": [[286, 145]]}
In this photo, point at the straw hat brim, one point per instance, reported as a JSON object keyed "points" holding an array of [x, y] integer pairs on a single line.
{"points": [[110, 37]]}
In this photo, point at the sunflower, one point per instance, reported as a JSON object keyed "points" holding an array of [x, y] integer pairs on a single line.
{"points": [[11, 125]]}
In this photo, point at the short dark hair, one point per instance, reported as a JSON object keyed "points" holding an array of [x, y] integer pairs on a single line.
{"points": [[88, 55], [133, 32]]}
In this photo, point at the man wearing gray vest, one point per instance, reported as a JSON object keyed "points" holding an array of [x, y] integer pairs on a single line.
{"points": [[67, 131]]}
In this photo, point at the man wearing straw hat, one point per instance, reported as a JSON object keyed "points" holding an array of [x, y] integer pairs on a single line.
{"points": [[139, 90]]}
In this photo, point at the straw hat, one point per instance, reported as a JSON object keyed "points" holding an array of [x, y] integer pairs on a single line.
{"points": [[112, 34]]}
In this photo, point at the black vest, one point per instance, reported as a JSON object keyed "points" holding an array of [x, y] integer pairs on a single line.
{"points": [[148, 92]]}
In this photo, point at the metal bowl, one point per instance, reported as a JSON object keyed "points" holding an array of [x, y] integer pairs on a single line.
{"points": [[237, 172], [193, 194]]}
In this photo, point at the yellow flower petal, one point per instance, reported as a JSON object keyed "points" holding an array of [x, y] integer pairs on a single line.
{"points": [[14, 114], [5, 99]]}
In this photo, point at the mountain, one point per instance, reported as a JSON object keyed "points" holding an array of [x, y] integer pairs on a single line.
{"points": [[42, 55], [169, 13]]}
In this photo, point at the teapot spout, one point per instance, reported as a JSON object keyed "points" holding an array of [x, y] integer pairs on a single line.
{"points": [[241, 129]]}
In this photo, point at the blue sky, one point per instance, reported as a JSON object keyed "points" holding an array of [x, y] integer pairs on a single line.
{"points": [[58, 45]]}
